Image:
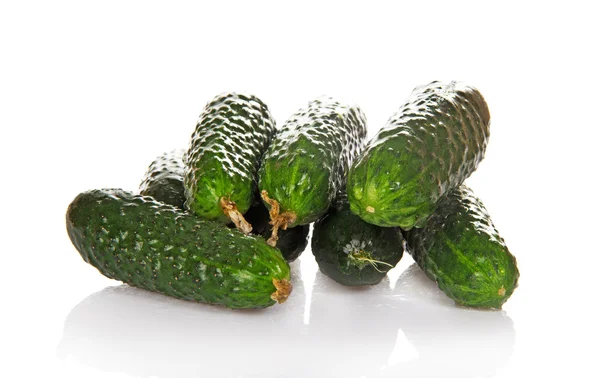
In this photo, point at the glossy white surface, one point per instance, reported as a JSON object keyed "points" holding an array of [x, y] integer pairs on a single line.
{"points": [[90, 93], [410, 329]]}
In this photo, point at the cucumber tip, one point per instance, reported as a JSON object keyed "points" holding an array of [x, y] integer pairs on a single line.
{"points": [[283, 290]]}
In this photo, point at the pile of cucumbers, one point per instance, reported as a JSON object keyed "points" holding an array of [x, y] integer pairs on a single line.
{"points": [[220, 221]]}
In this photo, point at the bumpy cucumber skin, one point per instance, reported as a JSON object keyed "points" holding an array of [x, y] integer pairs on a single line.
{"points": [[158, 247], [291, 242], [164, 179], [462, 251], [428, 147], [309, 157], [340, 233], [225, 151]]}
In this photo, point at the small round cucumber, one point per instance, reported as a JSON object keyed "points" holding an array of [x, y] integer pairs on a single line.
{"points": [[225, 151], [158, 247], [428, 147], [352, 251], [307, 161], [164, 179], [461, 250]]}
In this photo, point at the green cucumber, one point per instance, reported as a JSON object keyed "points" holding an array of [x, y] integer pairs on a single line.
{"points": [[428, 147], [307, 161], [461, 250], [224, 154], [164, 179], [164, 182], [158, 247], [352, 251]]}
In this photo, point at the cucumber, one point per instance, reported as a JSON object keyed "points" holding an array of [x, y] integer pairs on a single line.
{"points": [[164, 179], [224, 154], [291, 242], [461, 250], [307, 161], [351, 251], [164, 182], [428, 147], [155, 246]]}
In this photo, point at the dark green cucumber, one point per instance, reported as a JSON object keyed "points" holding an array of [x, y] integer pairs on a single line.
{"points": [[461, 250], [224, 154], [164, 182], [164, 179], [291, 242], [352, 251], [428, 147], [307, 160], [158, 247]]}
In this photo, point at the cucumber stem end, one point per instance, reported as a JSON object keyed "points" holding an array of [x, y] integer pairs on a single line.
{"points": [[283, 290], [231, 211], [278, 220], [362, 258]]}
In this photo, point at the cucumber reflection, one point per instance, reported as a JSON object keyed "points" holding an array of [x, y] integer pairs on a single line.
{"points": [[411, 330], [144, 334]]}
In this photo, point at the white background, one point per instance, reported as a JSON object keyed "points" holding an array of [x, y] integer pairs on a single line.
{"points": [[91, 92]]}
